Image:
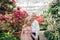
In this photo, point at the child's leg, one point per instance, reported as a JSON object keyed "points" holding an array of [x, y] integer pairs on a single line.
{"points": [[34, 35], [38, 37]]}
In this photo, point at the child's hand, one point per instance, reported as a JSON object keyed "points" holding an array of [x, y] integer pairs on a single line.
{"points": [[33, 36], [36, 38]]}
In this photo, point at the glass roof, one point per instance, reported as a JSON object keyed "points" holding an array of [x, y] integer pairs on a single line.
{"points": [[37, 6]]}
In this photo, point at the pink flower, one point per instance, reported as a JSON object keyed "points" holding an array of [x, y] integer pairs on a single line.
{"points": [[17, 14], [24, 14], [21, 14]]}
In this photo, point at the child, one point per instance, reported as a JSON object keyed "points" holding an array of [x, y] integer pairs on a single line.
{"points": [[26, 30]]}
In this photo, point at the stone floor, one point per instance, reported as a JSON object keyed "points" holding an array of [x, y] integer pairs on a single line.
{"points": [[42, 37]]}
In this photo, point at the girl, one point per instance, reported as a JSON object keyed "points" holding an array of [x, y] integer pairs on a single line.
{"points": [[26, 30]]}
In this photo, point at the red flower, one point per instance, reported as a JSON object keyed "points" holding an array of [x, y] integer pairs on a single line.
{"points": [[40, 19]]}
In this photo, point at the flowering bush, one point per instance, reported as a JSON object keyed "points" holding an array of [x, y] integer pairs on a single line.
{"points": [[14, 21]]}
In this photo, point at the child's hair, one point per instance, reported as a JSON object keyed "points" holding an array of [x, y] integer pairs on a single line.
{"points": [[27, 20], [34, 14]]}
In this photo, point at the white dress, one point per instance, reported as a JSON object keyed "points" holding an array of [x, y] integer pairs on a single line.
{"points": [[35, 27]]}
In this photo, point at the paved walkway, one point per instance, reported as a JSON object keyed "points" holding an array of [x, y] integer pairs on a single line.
{"points": [[42, 37]]}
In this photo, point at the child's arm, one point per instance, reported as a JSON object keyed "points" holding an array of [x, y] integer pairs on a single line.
{"points": [[22, 32], [33, 36]]}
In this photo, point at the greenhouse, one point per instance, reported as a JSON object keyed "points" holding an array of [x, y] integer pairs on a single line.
{"points": [[29, 19]]}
